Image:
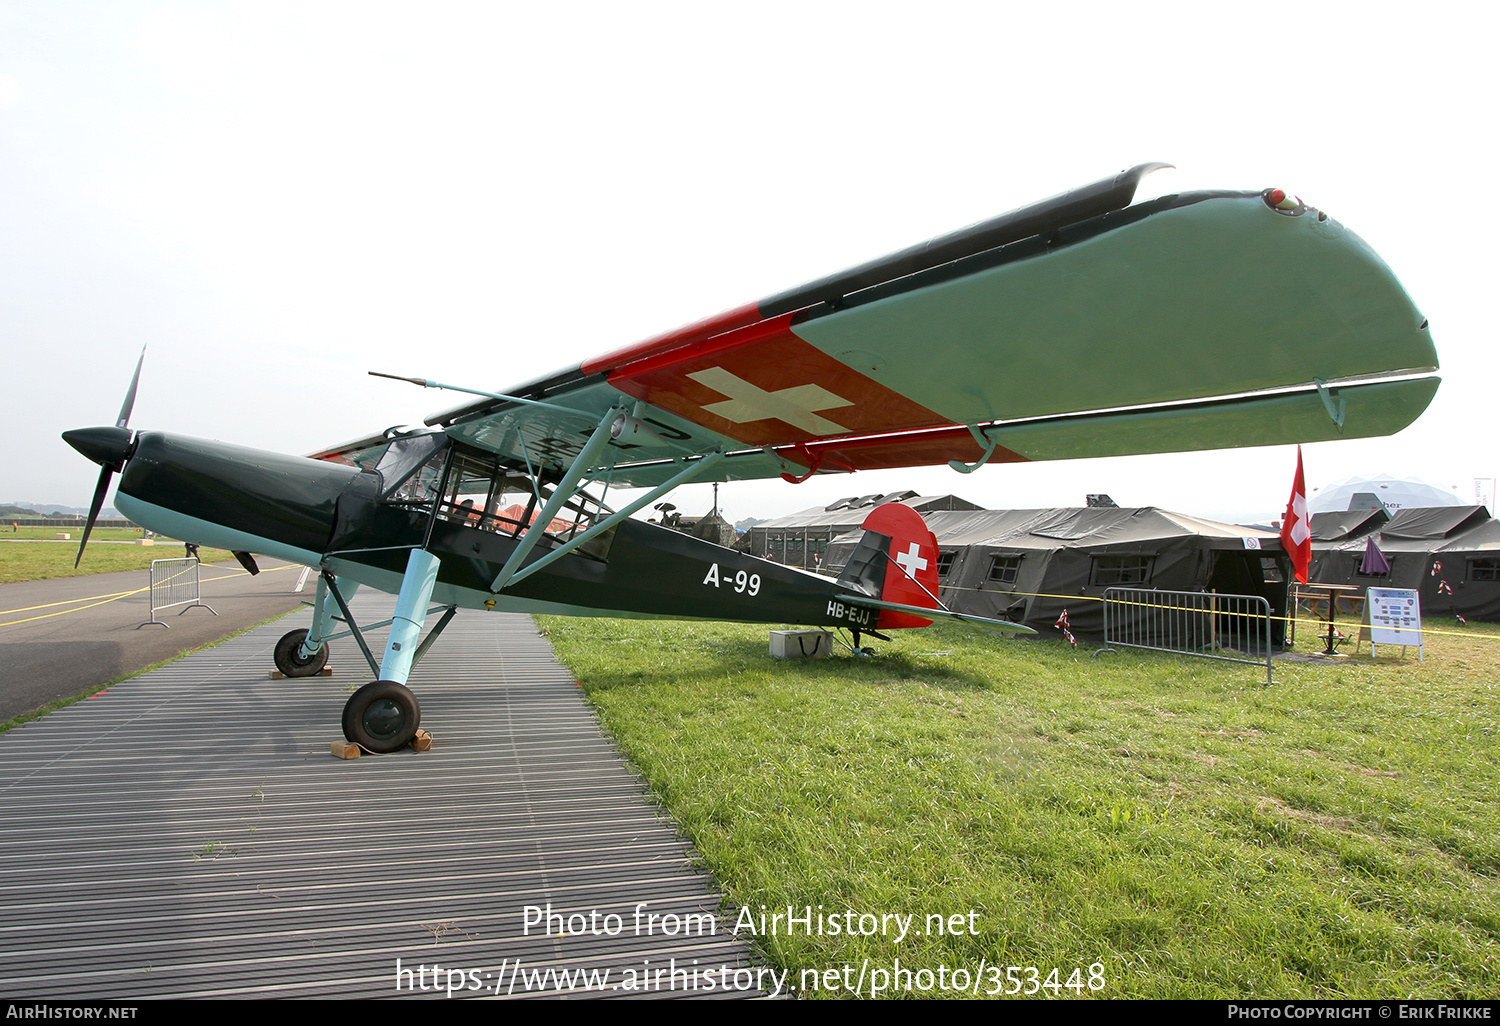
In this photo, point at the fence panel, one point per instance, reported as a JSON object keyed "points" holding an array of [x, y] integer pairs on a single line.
{"points": [[1234, 628], [174, 582]]}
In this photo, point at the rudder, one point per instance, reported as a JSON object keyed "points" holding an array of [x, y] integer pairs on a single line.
{"points": [[895, 561]]}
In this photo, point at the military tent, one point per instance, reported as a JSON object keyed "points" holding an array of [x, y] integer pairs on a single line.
{"points": [[802, 539], [1449, 555], [1030, 565]]}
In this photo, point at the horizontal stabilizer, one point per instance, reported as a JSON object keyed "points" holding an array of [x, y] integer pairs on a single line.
{"points": [[938, 614]]}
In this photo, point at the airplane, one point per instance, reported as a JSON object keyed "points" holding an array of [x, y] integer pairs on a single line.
{"points": [[1084, 325]]}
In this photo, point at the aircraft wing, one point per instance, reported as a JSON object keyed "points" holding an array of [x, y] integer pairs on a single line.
{"points": [[1079, 326]]}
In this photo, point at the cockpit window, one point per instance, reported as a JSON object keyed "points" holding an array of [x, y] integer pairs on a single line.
{"points": [[402, 458], [476, 489]]}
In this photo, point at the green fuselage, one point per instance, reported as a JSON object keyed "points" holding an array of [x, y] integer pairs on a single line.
{"points": [[331, 515]]}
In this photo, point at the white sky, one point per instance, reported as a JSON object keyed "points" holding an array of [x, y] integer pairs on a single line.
{"points": [[279, 197]]}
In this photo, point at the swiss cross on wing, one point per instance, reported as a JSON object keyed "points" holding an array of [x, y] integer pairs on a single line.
{"points": [[763, 385], [1296, 526]]}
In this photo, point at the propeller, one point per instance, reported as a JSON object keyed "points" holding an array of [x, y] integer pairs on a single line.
{"points": [[109, 447]]}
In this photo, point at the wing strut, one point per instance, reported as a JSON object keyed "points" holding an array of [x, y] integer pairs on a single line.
{"points": [[595, 530], [560, 495]]}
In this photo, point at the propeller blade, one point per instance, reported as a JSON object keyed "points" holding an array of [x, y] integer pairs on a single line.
{"points": [[110, 450], [124, 419], [104, 475]]}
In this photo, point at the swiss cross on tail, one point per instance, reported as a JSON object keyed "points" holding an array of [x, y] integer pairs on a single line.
{"points": [[911, 576]]}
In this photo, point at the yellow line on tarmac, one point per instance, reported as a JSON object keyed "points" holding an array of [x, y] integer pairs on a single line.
{"points": [[69, 602], [102, 599], [61, 612]]}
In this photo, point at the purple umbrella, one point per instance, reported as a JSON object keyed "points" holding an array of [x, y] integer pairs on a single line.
{"points": [[1374, 564]]}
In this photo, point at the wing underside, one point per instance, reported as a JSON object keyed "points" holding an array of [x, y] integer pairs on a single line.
{"points": [[1081, 326]]}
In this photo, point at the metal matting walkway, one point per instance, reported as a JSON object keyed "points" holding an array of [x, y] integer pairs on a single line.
{"points": [[188, 834]]}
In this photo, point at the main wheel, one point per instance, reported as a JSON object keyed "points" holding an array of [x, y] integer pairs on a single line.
{"points": [[289, 660], [382, 716]]}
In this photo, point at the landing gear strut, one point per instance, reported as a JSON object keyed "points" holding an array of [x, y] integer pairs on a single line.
{"points": [[383, 715]]}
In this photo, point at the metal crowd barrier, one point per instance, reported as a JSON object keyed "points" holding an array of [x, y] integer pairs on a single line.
{"points": [[1234, 628], [174, 582]]}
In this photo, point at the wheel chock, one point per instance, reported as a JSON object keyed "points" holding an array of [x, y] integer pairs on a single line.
{"points": [[349, 750]]}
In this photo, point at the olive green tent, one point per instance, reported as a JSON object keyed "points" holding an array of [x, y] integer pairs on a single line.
{"points": [[1030, 565]]}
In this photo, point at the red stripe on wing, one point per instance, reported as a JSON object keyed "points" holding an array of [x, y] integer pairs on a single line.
{"points": [[686, 335]]}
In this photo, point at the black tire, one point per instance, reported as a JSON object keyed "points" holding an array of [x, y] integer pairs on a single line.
{"points": [[288, 662], [382, 716]]}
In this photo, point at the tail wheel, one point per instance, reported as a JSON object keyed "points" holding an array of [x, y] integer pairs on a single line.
{"points": [[288, 656], [382, 716]]}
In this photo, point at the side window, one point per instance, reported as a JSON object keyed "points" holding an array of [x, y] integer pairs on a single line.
{"points": [[484, 494], [1110, 571], [1004, 569]]}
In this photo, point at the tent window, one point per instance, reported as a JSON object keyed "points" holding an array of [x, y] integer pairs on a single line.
{"points": [[1484, 569], [1360, 573], [945, 562], [1112, 570], [1004, 569], [1270, 571]]}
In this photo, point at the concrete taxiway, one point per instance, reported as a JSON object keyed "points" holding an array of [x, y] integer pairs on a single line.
{"points": [[65, 637], [186, 834]]}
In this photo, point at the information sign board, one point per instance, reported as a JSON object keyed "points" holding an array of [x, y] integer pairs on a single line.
{"points": [[1393, 616]]}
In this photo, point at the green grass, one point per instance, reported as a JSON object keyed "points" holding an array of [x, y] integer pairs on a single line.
{"points": [[1177, 822], [51, 533], [23, 560]]}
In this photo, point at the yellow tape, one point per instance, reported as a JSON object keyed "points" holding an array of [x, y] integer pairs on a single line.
{"points": [[1225, 612]]}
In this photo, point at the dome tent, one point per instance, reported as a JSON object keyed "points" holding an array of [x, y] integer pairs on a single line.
{"points": [[1393, 493]]}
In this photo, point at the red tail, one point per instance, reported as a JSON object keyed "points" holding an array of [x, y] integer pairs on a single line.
{"points": [[896, 561]]}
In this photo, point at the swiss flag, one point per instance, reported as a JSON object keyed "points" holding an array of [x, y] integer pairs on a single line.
{"points": [[1296, 528]]}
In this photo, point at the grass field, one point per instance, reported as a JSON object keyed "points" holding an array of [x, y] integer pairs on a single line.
{"points": [[31, 554], [1145, 825]]}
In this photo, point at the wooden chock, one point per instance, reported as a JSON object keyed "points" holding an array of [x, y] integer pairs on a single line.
{"points": [[326, 671]]}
